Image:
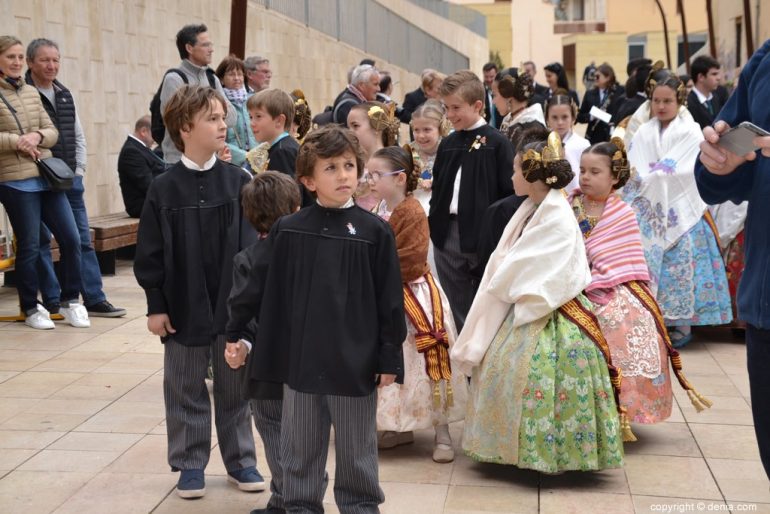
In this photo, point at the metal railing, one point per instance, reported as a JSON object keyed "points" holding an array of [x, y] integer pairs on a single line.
{"points": [[469, 18], [375, 29]]}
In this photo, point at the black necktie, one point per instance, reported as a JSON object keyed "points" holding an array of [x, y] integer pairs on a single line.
{"points": [[710, 106]]}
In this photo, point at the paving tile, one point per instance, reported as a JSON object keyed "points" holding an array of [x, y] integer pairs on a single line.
{"points": [[10, 459], [95, 441], [468, 472], [69, 460], [109, 342], [67, 406], [21, 491], [43, 421], [413, 463], [146, 456], [576, 501], [606, 481], [76, 361], [741, 480], [36, 384], [125, 493], [12, 360], [680, 477], [100, 386], [28, 439], [663, 439], [478, 499], [221, 496], [10, 407], [5, 375], [727, 410], [131, 362], [726, 441]]}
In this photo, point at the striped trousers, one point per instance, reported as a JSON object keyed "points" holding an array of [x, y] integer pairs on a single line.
{"points": [[455, 273], [267, 420], [188, 408], [307, 420]]}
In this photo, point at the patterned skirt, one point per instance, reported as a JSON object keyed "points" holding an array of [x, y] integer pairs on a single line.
{"points": [[641, 354], [542, 399], [413, 405], [693, 286]]}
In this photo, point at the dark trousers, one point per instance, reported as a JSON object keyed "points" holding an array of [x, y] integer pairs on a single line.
{"points": [[26, 212], [91, 276], [307, 420], [455, 273], [758, 357], [188, 408], [267, 419]]}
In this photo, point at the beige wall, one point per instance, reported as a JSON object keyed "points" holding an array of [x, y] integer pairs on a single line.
{"points": [[533, 37], [499, 29], [610, 48], [725, 14], [633, 17], [114, 54]]}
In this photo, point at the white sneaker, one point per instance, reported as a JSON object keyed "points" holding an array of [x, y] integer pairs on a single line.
{"points": [[40, 320], [76, 315]]}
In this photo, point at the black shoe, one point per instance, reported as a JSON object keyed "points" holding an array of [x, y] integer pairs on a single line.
{"points": [[268, 510], [105, 310]]}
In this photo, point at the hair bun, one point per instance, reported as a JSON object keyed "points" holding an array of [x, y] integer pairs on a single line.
{"points": [[621, 168]]}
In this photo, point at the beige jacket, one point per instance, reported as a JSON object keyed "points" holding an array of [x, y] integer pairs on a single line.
{"points": [[33, 117]]}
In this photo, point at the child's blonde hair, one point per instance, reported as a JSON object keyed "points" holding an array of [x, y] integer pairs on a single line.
{"points": [[435, 111]]}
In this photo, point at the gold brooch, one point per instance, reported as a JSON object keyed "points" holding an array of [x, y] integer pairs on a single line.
{"points": [[478, 143]]}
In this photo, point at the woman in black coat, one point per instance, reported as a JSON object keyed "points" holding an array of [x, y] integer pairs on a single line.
{"points": [[556, 77], [607, 95]]}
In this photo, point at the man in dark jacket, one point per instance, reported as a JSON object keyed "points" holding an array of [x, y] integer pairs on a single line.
{"points": [[722, 176], [364, 86], [43, 59], [703, 101], [137, 166]]}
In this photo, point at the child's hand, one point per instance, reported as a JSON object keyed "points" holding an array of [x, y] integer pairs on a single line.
{"points": [[386, 380], [235, 354], [224, 154], [160, 325]]}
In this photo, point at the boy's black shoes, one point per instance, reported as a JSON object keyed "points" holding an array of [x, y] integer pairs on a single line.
{"points": [[191, 484], [247, 479]]}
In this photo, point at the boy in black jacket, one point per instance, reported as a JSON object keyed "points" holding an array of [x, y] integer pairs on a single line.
{"points": [[266, 198], [472, 171], [331, 326], [190, 229]]}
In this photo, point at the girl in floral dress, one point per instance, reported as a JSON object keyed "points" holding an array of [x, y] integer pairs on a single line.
{"points": [[432, 396], [628, 314], [543, 389], [687, 274]]}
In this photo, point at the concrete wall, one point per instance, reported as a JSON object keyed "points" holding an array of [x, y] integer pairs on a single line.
{"points": [[499, 29], [725, 14], [114, 53], [533, 37], [644, 16], [598, 47]]}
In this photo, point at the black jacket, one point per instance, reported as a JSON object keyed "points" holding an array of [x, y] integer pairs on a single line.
{"points": [[699, 111], [412, 101], [282, 157], [63, 117], [332, 310], [539, 95], [597, 130], [628, 108], [486, 178], [137, 166], [489, 108], [189, 232], [342, 105]]}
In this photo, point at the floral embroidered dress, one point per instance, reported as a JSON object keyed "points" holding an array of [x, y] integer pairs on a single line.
{"points": [[432, 393], [542, 396], [618, 290], [730, 220], [687, 273]]}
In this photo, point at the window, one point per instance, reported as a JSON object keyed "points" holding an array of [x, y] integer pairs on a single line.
{"points": [[696, 42]]}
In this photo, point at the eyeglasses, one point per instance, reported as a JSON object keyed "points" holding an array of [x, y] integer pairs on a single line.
{"points": [[374, 176]]}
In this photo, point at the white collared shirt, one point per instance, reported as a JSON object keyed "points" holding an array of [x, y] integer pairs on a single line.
{"points": [[455, 203], [193, 166], [702, 99], [137, 139], [348, 204]]}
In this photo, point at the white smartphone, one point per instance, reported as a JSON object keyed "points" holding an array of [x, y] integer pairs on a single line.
{"points": [[740, 140]]}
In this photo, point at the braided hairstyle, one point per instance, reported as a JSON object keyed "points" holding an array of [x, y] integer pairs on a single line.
{"points": [[555, 174], [401, 159], [518, 86], [302, 115], [615, 151], [382, 120], [660, 76]]}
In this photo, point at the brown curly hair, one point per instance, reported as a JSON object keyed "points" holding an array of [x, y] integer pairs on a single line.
{"points": [[555, 174], [382, 121], [615, 151], [511, 84], [269, 196], [328, 141], [401, 159], [302, 115]]}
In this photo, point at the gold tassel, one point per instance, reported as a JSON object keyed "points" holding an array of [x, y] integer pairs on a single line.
{"points": [[436, 395], [699, 401], [625, 429], [450, 396]]}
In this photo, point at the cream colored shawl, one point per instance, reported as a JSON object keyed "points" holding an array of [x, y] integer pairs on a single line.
{"points": [[539, 265]]}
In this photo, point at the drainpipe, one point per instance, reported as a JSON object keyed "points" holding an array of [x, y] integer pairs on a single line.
{"points": [[680, 8]]}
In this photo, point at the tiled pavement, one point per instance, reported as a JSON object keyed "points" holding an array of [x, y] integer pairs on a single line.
{"points": [[82, 430]]}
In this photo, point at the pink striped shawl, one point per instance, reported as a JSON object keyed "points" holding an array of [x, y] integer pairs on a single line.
{"points": [[614, 249]]}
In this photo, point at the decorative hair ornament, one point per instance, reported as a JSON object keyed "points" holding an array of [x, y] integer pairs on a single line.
{"points": [[258, 158], [554, 151], [374, 110]]}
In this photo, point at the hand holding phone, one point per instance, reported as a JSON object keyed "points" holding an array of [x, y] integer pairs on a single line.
{"points": [[717, 159], [740, 140]]}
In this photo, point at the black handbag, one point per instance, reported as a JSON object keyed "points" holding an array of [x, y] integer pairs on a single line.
{"points": [[54, 171]]}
